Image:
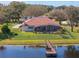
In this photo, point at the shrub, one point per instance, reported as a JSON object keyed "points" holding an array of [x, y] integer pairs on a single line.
{"points": [[63, 31], [5, 29]]}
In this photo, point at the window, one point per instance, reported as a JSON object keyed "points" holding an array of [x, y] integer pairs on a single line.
{"points": [[30, 27]]}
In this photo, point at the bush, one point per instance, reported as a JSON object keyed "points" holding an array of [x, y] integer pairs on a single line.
{"points": [[63, 31], [6, 32], [5, 29]]}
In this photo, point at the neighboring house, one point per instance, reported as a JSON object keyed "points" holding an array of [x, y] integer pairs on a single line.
{"points": [[64, 22], [40, 24]]}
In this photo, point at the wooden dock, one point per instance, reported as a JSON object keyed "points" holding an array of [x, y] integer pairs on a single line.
{"points": [[50, 51]]}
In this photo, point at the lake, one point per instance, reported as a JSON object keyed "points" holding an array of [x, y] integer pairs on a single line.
{"points": [[19, 51]]}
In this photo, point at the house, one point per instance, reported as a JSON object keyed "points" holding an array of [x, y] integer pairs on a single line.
{"points": [[40, 24], [65, 22]]}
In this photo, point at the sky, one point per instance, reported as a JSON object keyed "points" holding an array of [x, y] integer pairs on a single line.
{"points": [[53, 3]]}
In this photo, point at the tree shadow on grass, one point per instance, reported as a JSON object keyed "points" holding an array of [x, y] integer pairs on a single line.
{"points": [[66, 34], [7, 36]]}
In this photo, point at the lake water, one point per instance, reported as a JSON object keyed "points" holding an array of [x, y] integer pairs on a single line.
{"points": [[19, 51]]}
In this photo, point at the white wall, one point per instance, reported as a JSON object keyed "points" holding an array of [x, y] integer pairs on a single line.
{"points": [[26, 28], [64, 22]]}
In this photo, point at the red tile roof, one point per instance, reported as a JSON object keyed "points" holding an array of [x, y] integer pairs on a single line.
{"points": [[38, 21]]}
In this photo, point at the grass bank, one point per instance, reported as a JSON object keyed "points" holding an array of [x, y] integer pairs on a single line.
{"points": [[39, 42]]}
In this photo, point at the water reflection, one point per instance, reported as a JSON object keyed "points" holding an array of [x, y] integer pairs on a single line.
{"points": [[71, 52], [2, 48], [24, 47]]}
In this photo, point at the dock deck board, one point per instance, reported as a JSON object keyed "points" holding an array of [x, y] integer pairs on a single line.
{"points": [[50, 49]]}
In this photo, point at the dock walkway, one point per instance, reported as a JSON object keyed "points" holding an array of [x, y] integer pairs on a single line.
{"points": [[50, 51]]}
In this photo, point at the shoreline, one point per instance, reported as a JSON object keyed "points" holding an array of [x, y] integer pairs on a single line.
{"points": [[40, 42]]}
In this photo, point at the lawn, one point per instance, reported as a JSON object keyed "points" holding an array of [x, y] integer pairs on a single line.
{"points": [[34, 36], [21, 35], [40, 38]]}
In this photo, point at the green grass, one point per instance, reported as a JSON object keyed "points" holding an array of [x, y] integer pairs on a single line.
{"points": [[33, 36], [30, 35]]}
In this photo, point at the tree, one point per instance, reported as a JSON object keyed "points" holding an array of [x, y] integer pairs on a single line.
{"points": [[58, 14], [15, 10], [2, 11], [61, 7], [50, 8], [72, 13], [77, 21], [35, 10]]}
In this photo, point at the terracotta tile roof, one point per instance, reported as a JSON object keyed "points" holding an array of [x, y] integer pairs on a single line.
{"points": [[38, 21]]}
